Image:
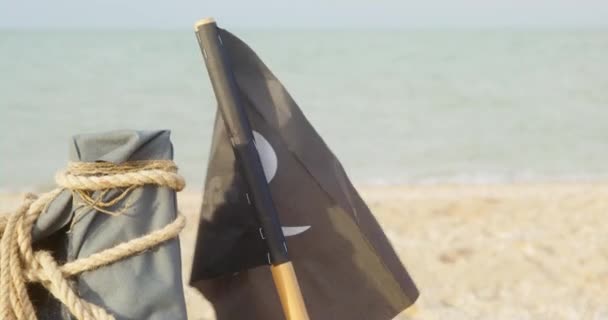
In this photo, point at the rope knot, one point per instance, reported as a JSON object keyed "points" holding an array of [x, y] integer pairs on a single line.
{"points": [[20, 264]]}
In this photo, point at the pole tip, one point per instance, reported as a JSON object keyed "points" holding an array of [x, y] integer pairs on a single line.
{"points": [[203, 22]]}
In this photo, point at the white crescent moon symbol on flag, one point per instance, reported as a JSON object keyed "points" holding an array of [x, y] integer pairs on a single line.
{"points": [[267, 155], [270, 164], [292, 231]]}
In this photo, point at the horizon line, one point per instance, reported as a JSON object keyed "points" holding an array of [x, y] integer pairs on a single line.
{"points": [[312, 28]]}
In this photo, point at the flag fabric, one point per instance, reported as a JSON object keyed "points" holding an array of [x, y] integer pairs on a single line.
{"points": [[346, 266]]}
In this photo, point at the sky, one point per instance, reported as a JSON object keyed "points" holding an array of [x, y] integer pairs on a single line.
{"points": [[168, 14]]}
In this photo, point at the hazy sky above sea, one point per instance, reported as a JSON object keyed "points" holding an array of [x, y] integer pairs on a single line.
{"points": [[166, 14]]}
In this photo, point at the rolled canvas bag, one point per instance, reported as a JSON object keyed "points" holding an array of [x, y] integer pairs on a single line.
{"points": [[144, 285]]}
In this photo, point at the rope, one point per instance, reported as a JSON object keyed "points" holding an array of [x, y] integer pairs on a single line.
{"points": [[20, 264]]}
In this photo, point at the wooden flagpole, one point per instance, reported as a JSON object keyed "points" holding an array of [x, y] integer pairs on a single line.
{"points": [[239, 130]]}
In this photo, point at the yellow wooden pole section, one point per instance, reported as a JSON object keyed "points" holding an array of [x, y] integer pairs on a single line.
{"points": [[289, 291]]}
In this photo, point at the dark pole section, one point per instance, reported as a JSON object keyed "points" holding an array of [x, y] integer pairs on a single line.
{"points": [[235, 118]]}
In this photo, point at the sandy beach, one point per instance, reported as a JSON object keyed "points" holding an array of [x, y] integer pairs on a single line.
{"points": [[518, 251]]}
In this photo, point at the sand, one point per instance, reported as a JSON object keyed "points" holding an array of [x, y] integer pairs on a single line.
{"points": [[519, 251]]}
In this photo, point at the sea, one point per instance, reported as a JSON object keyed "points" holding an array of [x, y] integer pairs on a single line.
{"points": [[416, 106]]}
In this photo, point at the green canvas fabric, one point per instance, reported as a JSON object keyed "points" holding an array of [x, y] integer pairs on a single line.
{"points": [[146, 286]]}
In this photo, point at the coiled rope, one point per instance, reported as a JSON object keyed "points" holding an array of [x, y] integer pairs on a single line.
{"points": [[20, 264]]}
